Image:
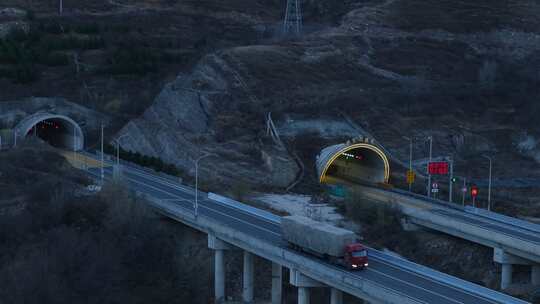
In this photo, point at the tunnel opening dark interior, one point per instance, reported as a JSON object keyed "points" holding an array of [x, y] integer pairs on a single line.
{"points": [[357, 165], [55, 132]]}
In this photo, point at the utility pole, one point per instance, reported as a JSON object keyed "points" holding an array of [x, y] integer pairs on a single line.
{"points": [[196, 206], [102, 160], [463, 191], [74, 145], [118, 149], [61, 7], [430, 138], [489, 183], [410, 161], [451, 161], [293, 18], [410, 139]]}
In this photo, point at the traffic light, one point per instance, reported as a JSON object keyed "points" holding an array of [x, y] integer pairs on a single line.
{"points": [[454, 179], [474, 191]]}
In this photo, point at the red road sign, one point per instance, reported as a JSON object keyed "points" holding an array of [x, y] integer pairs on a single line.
{"points": [[438, 168]]}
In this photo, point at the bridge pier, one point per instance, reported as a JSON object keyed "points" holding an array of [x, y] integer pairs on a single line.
{"points": [[507, 260], [277, 275], [219, 248], [304, 297], [304, 283], [506, 275], [336, 296], [535, 274], [247, 289]]}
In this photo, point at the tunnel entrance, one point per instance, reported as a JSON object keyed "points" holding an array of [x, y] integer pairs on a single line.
{"points": [[353, 163], [57, 130], [52, 131]]}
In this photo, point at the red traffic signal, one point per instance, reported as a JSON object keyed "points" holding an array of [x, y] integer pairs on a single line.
{"points": [[474, 191]]}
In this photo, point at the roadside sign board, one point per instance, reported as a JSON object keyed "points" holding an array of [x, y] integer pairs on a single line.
{"points": [[438, 168], [410, 176]]}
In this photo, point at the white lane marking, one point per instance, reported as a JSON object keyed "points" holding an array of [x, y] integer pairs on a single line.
{"points": [[166, 183], [258, 227], [424, 276], [212, 210], [415, 286], [277, 234], [488, 221]]}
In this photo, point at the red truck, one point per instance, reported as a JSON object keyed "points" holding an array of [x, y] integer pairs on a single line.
{"points": [[334, 244]]}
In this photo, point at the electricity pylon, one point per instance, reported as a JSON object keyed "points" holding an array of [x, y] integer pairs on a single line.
{"points": [[293, 18]]}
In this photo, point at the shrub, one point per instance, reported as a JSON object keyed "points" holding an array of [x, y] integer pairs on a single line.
{"points": [[30, 15], [382, 217], [87, 28], [239, 190], [136, 60], [144, 160], [54, 59]]}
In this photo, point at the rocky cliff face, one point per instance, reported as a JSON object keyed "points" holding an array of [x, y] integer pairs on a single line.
{"points": [[184, 123], [393, 72]]}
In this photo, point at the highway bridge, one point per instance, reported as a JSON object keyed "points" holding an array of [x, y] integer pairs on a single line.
{"points": [[514, 241], [231, 225]]}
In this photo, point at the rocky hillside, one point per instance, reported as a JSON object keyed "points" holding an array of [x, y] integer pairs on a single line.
{"points": [[395, 68]]}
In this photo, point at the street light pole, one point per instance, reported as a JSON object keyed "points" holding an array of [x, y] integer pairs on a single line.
{"points": [[196, 206], [102, 160], [489, 183], [117, 141], [463, 191], [410, 139], [430, 138], [410, 160], [451, 161]]}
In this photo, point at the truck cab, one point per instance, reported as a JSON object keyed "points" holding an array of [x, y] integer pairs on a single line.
{"points": [[356, 256]]}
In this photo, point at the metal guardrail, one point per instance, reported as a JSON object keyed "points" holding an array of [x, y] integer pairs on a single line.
{"points": [[398, 261], [445, 278], [395, 260], [504, 218], [473, 210], [241, 206]]}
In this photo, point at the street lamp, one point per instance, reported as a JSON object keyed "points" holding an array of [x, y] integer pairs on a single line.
{"points": [[196, 207], [451, 181], [102, 160], [430, 138], [489, 183], [117, 141], [410, 139]]}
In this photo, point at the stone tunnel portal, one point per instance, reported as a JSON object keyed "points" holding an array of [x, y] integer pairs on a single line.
{"points": [[354, 163], [58, 130]]}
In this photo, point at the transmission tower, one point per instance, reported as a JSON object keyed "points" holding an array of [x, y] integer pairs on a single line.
{"points": [[293, 18]]}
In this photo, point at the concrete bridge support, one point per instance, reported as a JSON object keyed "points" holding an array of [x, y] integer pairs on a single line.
{"points": [[507, 261], [304, 283], [247, 289], [219, 248], [336, 296], [535, 274], [506, 275], [277, 277]]}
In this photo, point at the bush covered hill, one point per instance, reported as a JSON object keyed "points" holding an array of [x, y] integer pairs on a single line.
{"points": [[60, 246]]}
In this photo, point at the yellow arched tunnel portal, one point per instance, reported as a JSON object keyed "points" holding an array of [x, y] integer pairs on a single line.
{"points": [[360, 162]]}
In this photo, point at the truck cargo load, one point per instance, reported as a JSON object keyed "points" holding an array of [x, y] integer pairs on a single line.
{"points": [[319, 237]]}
